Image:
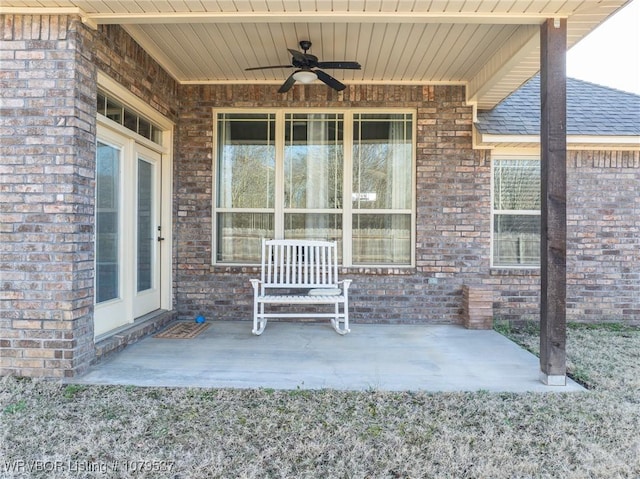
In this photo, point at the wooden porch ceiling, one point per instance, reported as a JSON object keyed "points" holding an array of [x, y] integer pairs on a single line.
{"points": [[492, 47]]}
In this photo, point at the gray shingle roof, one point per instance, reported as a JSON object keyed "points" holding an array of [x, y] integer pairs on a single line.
{"points": [[591, 110]]}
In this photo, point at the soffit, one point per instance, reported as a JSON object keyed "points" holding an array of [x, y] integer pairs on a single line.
{"points": [[491, 46]]}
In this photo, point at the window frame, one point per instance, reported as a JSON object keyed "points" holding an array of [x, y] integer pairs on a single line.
{"points": [[495, 157], [346, 213], [165, 148]]}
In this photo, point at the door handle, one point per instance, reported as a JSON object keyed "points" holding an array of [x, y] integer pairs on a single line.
{"points": [[160, 238]]}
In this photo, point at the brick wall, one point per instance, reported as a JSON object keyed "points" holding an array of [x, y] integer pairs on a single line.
{"points": [[47, 126], [48, 135], [122, 59], [603, 260], [453, 218], [603, 245], [517, 294], [452, 205]]}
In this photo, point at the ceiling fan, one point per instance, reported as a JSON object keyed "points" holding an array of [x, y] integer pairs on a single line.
{"points": [[308, 69]]}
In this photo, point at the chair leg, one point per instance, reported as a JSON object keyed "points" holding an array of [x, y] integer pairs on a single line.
{"points": [[345, 305], [259, 321], [335, 322]]}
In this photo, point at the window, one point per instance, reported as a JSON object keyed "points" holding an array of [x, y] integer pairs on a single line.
{"points": [[346, 176], [381, 194], [245, 187], [117, 112], [516, 212]]}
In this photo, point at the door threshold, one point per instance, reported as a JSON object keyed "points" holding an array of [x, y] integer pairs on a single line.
{"points": [[116, 340]]}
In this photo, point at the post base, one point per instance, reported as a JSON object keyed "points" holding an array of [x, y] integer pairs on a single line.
{"points": [[553, 379]]}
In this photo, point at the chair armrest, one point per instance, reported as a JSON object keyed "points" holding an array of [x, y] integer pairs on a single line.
{"points": [[255, 283], [346, 283]]}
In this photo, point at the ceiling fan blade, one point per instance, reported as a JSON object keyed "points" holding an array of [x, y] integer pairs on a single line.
{"points": [[264, 68], [329, 80], [345, 65], [286, 86], [301, 57]]}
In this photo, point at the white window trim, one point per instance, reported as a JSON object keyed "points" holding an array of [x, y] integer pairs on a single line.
{"points": [[346, 211], [505, 155], [117, 91]]}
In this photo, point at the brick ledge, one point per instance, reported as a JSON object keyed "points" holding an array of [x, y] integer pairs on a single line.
{"points": [[139, 329]]}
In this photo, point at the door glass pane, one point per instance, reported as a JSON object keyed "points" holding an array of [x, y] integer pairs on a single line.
{"points": [[313, 160], [381, 239], [107, 223], [382, 161], [146, 238]]}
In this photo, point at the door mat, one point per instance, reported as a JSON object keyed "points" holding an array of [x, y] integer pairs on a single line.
{"points": [[182, 330]]}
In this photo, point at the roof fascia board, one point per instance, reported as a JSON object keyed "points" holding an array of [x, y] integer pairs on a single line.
{"points": [[495, 18], [145, 18], [515, 151], [631, 142], [41, 10], [612, 139]]}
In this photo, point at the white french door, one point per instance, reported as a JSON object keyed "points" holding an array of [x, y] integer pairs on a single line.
{"points": [[147, 230], [128, 234]]}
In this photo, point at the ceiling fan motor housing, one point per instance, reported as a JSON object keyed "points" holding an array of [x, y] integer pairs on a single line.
{"points": [[305, 45]]}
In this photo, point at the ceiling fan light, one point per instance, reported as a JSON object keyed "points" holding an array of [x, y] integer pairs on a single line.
{"points": [[305, 76]]}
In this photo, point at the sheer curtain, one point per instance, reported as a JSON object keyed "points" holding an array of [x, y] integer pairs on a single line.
{"points": [[317, 161], [225, 190], [313, 169], [399, 167]]}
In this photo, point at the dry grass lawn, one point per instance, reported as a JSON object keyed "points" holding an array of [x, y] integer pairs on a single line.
{"points": [[53, 430]]}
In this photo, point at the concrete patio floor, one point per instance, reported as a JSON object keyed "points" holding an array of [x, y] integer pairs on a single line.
{"points": [[292, 355]]}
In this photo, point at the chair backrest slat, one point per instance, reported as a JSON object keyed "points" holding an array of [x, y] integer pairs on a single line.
{"points": [[289, 263], [306, 252]]}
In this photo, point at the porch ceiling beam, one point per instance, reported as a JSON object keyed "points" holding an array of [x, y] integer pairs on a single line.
{"points": [[323, 17], [487, 18]]}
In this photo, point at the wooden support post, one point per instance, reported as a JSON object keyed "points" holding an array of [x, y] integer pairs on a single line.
{"points": [[553, 144]]}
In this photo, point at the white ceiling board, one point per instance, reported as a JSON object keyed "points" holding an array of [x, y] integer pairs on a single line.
{"points": [[486, 44]]}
